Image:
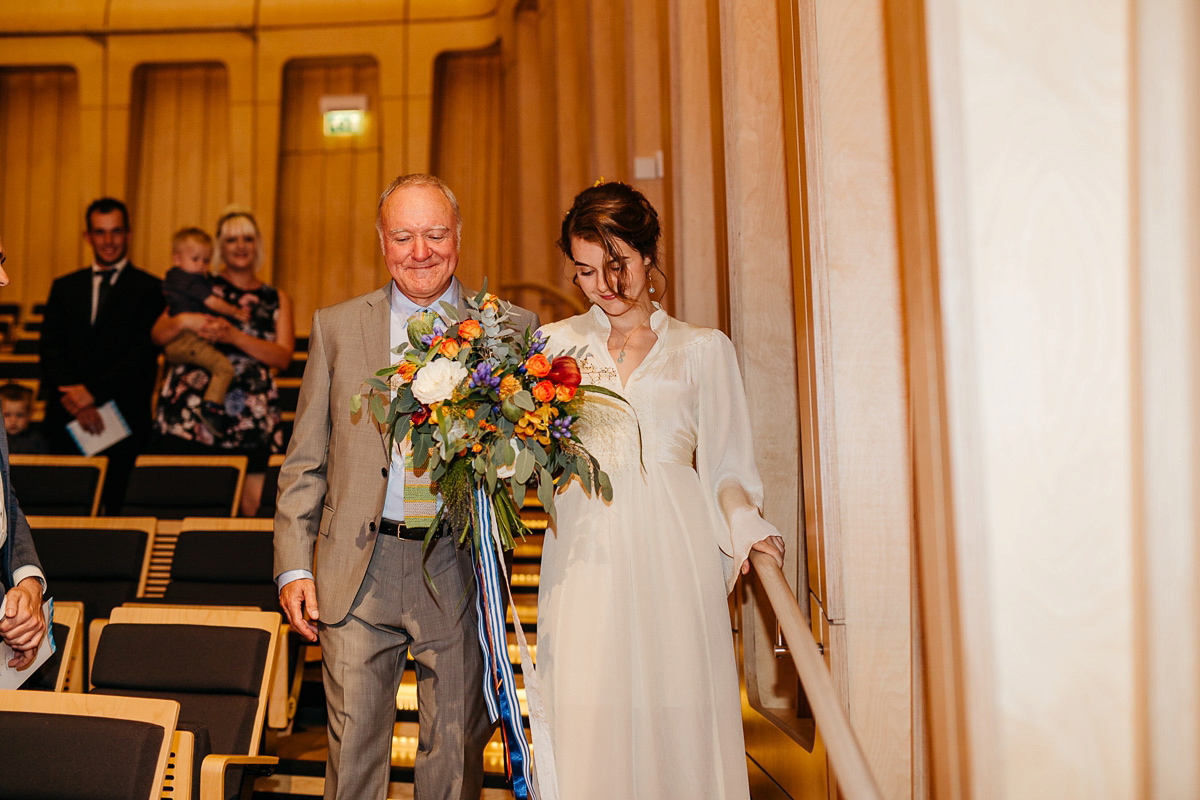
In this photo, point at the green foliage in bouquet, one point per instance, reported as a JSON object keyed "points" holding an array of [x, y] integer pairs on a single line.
{"points": [[485, 408]]}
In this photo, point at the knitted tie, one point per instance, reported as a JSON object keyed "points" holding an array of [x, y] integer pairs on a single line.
{"points": [[420, 505]]}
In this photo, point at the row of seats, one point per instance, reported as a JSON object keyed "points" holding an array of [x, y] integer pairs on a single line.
{"points": [[203, 676], [184, 611], [167, 487]]}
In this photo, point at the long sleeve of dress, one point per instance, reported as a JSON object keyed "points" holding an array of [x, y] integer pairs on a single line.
{"points": [[725, 457]]}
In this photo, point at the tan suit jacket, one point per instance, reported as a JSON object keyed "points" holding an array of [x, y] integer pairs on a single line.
{"points": [[333, 482]]}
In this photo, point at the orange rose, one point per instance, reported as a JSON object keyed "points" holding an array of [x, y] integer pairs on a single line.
{"points": [[564, 393], [543, 392], [565, 372], [537, 366], [470, 329], [448, 348]]}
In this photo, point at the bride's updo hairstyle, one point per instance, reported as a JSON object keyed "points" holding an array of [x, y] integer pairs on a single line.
{"points": [[611, 212]]}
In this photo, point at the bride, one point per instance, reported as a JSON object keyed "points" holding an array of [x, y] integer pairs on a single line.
{"points": [[634, 645]]}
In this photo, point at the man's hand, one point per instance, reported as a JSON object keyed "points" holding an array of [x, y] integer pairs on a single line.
{"points": [[91, 420], [23, 624], [75, 398], [772, 546], [296, 597]]}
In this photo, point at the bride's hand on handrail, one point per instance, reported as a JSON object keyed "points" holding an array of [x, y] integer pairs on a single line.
{"points": [[772, 546]]}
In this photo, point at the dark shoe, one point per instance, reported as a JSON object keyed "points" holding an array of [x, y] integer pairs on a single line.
{"points": [[213, 416]]}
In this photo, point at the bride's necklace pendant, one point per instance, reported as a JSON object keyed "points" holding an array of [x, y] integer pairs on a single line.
{"points": [[621, 356]]}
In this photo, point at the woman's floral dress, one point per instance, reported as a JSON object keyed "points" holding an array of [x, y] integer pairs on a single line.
{"points": [[252, 400]]}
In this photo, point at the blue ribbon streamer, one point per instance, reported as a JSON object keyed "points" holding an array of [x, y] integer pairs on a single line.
{"points": [[499, 684]]}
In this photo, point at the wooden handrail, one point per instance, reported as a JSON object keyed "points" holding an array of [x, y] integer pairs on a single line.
{"points": [[854, 777]]}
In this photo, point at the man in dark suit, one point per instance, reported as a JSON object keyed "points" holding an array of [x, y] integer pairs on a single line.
{"points": [[341, 486], [22, 623], [96, 346]]}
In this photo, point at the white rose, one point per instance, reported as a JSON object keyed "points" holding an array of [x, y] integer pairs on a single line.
{"points": [[437, 380]]}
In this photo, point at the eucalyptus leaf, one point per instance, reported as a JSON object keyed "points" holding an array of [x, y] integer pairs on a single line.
{"points": [[377, 409], [523, 465], [355, 403], [545, 489], [523, 399], [377, 384]]}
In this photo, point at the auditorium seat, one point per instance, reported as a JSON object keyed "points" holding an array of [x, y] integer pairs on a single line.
{"points": [[66, 486], [101, 562], [296, 368], [266, 507], [22, 369], [67, 746], [223, 561], [174, 487], [289, 393], [216, 663]]}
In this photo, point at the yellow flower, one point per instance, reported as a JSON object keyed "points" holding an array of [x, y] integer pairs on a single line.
{"points": [[536, 424], [509, 386]]}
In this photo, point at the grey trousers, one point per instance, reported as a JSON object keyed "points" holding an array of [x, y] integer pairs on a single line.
{"points": [[364, 657]]}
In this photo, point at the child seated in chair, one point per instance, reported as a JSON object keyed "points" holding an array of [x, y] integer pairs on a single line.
{"points": [[189, 290], [16, 403]]}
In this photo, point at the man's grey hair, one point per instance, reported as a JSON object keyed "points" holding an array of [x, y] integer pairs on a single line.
{"points": [[419, 179]]}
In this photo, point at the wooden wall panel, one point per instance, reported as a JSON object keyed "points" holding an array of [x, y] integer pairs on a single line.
{"points": [[41, 209], [326, 246], [179, 165], [467, 136]]}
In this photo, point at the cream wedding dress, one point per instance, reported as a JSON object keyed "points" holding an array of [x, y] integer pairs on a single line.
{"points": [[635, 654]]}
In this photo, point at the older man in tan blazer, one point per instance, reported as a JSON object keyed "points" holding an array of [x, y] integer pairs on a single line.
{"points": [[341, 494]]}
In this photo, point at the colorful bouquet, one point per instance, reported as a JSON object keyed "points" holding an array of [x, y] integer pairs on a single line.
{"points": [[485, 409]]}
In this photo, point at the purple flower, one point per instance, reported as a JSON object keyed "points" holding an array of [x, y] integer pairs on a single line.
{"points": [[561, 427], [482, 376], [537, 344]]}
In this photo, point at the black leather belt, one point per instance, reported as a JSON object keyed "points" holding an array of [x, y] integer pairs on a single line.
{"points": [[389, 527]]}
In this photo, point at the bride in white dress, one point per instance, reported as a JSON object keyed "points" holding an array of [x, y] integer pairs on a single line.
{"points": [[635, 652]]}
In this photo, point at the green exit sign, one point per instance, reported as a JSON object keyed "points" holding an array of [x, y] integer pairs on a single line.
{"points": [[345, 122]]}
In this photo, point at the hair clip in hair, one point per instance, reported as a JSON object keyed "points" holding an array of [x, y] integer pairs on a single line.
{"points": [[599, 181]]}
